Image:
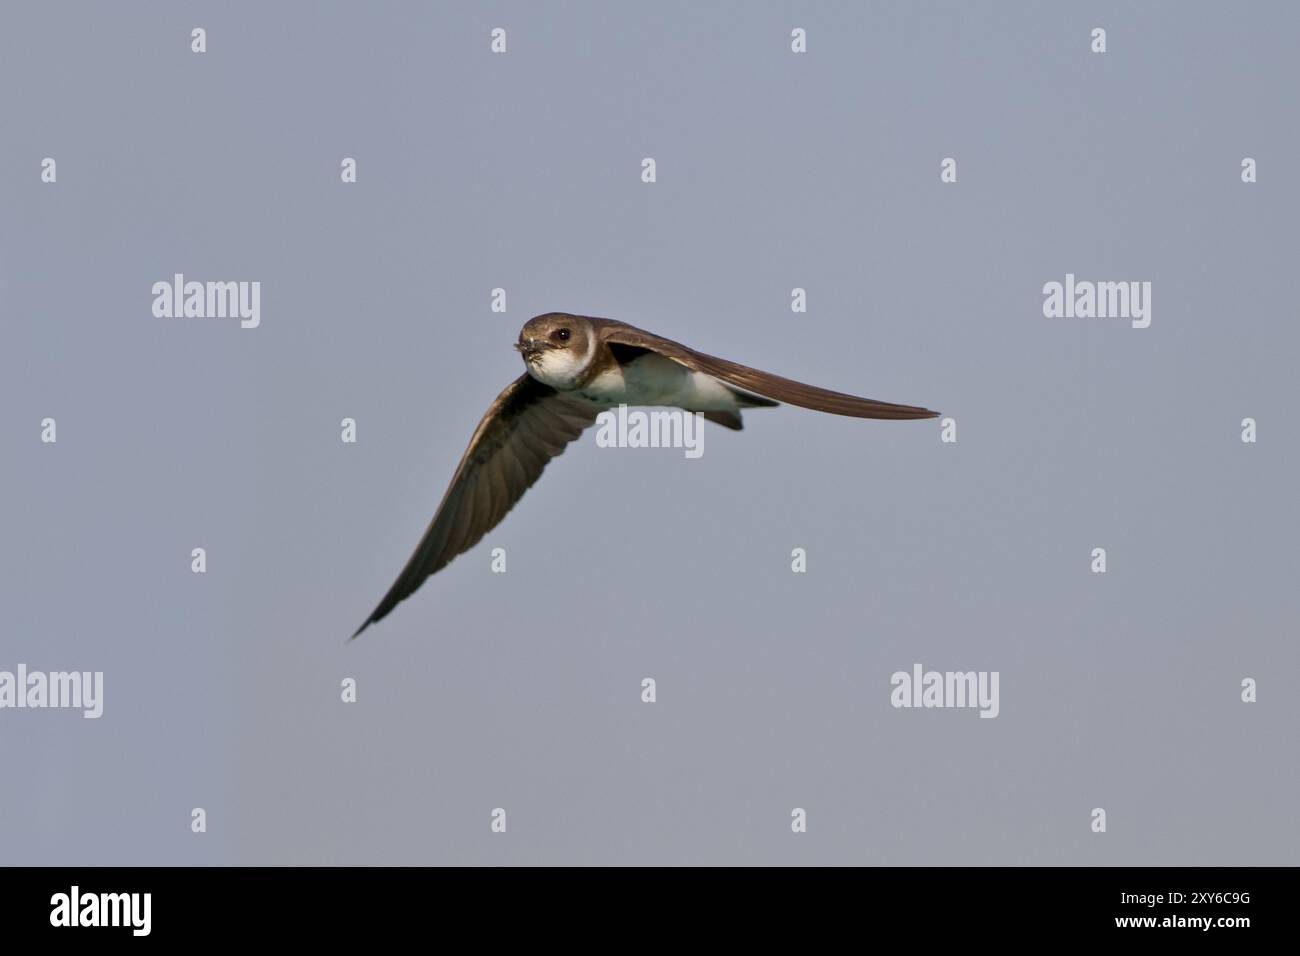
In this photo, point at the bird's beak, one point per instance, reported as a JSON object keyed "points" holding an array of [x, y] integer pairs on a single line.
{"points": [[530, 347]]}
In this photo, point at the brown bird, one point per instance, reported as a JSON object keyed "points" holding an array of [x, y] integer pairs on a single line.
{"points": [[577, 367]]}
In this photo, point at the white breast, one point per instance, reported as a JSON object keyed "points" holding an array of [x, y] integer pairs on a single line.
{"points": [[655, 380]]}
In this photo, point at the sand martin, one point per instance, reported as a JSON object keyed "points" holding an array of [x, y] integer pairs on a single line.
{"points": [[577, 367]]}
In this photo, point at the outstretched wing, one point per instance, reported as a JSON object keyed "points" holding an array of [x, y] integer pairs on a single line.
{"points": [[528, 425], [753, 380]]}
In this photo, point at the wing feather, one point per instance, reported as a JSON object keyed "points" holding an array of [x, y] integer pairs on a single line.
{"points": [[759, 382], [528, 425]]}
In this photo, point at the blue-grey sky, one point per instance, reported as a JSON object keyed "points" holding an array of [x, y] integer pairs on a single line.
{"points": [[522, 690]]}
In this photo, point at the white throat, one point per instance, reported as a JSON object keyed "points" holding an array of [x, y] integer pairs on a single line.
{"points": [[562, 368]]}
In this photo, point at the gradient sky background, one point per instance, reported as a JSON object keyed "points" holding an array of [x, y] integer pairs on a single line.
{"points": [[522, 690]]}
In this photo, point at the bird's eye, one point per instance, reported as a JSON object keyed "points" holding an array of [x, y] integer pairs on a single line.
{"points": [[562, 335]]}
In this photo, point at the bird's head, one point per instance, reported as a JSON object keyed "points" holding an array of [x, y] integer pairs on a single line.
{"points": [[557, 348]]}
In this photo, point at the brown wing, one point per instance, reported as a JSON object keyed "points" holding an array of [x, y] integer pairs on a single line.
{"points": [[761, 383], [528, 425]]}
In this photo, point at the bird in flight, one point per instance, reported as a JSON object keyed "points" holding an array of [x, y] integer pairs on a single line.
{"points": [[577, 367]]}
